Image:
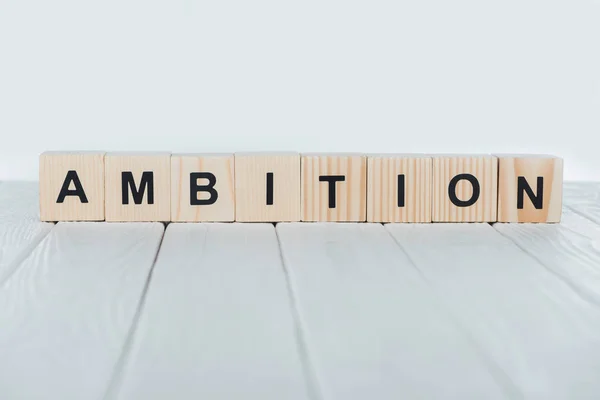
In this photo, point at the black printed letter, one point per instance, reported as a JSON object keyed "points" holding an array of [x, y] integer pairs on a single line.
{"points": [[452, 190], [195, 188], [522, 187], [269, 188], [401, 190], [138, 195], [78, 191], [332, 179]]}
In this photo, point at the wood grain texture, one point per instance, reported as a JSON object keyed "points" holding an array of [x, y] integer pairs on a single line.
{"points": [[580, 224], [538, 333], [512, 168], [89, 170], [217, 321], [583, 198], [484, 168], [222, 167], [251, 171], [67, 310], [382, 188], [138, 163], [374, 328], [351, 194], [569, 250], [20, 227]]}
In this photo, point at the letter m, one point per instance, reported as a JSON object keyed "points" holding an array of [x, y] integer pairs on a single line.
{"points": [[128, 183]]}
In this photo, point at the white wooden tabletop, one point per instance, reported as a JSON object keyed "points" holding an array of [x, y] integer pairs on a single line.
{"points": [[299, 311]]}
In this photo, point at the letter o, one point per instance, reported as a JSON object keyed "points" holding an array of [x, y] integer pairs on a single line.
{"points": [[452, 190]]}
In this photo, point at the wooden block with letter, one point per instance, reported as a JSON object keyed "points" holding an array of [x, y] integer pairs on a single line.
{"points": [[267, 187], [202, 188], [465, 188], [530, 188], [399, 188], [138, 186], [71, 186], [334, 187]]}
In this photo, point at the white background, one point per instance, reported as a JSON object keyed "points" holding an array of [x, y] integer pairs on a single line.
{"points": [[369, 76]]}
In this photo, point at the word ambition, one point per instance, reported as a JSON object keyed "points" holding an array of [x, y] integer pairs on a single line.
{"points": [[276, 187]]}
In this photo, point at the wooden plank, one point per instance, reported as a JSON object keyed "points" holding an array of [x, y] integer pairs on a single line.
{"points": [[575, 222], [584, 199], [540, 332], [568, 250], [67, 310], [217, 321], [373, 327], [20, 226]]}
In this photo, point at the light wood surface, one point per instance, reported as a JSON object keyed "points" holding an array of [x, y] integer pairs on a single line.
{"points": [[574, 235], [221, 166], [537, 334], [530, 169], [251, 199], [374, 328], [226, 331], [66, 312], [583, 198], [509, 311], [350, 194], [159, 164], [20, 227], [383, 203], [485, 170], [73, 170]]}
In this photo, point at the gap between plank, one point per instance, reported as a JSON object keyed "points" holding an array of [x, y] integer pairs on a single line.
{"points": [[566, 281], [582, 214], [114, 382], [503, 380], [312, 381]]}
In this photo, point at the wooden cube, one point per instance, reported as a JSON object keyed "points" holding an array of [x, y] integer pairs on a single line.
{"points": [[399, 188], [71, 186], [530, 188], [202, 188], [334, 187], [267, 187], [465, 188], [138, 187]]}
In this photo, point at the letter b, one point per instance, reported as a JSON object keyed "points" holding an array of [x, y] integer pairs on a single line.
{"points": [[209, 188]]}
